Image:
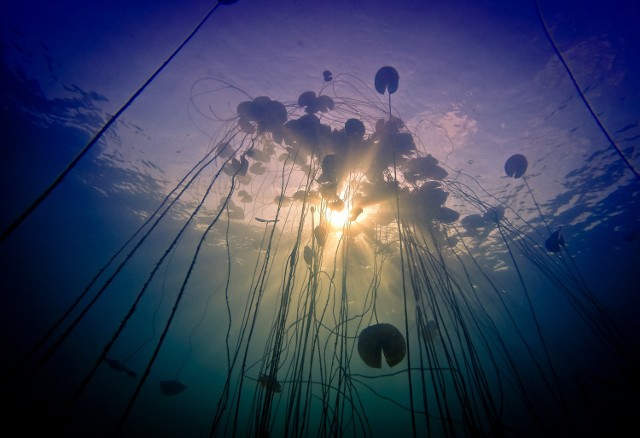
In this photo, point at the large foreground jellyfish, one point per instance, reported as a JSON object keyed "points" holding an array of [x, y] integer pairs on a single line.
{"points": [[312, 240]]}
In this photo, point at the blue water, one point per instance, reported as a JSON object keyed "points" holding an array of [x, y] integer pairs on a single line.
{"points": [[527, 342]]}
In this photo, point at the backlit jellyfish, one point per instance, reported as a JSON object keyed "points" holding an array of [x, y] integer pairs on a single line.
{"points": [[314, 238]]}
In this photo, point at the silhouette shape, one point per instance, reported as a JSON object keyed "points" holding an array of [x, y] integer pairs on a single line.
{"points": [[381, 339]]}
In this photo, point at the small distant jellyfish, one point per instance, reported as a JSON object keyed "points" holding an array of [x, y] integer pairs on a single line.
{"points": [[328, 76]]}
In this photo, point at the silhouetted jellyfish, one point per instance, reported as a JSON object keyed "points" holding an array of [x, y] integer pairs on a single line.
{"points": [[379, 339], [516, 166], [328, 77], [172, 387]]}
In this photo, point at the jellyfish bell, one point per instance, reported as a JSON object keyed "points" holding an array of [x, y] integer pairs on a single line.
{"points": [[381, 339], [387, 79], [516, 166], [327, 75]]}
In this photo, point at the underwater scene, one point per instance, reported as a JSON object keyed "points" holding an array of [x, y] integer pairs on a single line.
{"points": [[304, 218]]}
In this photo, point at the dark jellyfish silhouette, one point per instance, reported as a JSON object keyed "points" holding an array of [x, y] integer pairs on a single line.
{"points": [[387, 79], [172, 387], [327, 75], [555, 241], [381, 339], [516, 166]]}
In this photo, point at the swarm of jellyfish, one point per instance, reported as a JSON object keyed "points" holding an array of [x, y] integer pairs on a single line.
{"points": [[343, 282]]}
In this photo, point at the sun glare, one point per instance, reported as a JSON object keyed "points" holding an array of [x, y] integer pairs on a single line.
{"points": [[338, 218]]}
